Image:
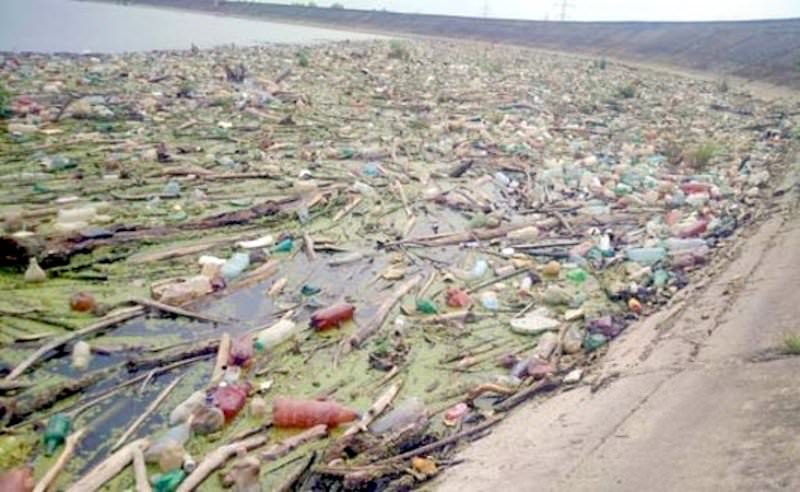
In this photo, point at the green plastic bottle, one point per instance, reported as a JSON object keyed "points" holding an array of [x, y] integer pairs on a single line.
{"points": [[167, 482], [284, 246], [577, 275], [426, 306], [56, 432], [594, 341]]}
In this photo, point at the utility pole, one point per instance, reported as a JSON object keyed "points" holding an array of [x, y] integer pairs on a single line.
{"points": [[563, 5]]}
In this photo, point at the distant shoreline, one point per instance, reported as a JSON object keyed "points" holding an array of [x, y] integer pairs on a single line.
{"points": [[758, 51]]}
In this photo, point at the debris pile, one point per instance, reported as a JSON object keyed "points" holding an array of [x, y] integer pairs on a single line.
{"points": [[282, 267]]}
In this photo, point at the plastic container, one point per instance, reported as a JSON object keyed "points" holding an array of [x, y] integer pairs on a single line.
{"points": [[82, 214], [81, 302], [681, 244], [230, 399], [234, 267], [241, 353], [645, 256], [489, 301], [18, 479], [410, 410], [81, 355], [56, 432], [284, 246], [275, 334], [332, 316], [167, 482], [207, 419], [175, 435], [288, 412], [34, 273], [426, 306], [479, 269], [183, 292], [187, 407]]}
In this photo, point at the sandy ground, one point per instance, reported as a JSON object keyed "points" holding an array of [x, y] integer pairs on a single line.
{"points": [[697, 397]]}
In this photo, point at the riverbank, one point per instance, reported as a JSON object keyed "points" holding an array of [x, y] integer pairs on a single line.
{"points": [[752, 50]]}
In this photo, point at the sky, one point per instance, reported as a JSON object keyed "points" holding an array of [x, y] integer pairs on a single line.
{"points": [[588, 10]]}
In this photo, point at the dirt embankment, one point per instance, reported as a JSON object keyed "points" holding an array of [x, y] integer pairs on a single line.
{"points": [[755, 50]]}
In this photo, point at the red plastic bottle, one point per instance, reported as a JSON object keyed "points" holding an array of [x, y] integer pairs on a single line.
{"points": [[241, 353], [231, 399], [332, 316], [287, 412]]}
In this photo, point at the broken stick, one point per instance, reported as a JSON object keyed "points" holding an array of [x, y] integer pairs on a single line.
{"points": [[175, 310], [108, 469], [69, 449], [150, 409], [289, 444], [103, 323], [216, 459], [373, 325], [374, 411]]}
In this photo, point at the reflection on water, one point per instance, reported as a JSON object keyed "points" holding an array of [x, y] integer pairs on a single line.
{"points": [[71, 26]]}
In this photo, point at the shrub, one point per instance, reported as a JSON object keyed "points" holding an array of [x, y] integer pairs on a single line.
{"points": [[627, 91], [398, 50], [701, 155]]}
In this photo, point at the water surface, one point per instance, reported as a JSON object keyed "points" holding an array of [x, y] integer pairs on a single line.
{"points": [[73, 26]]}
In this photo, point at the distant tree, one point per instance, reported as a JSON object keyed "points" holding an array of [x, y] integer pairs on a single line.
{"points": [[337, 5], [311, 4]]}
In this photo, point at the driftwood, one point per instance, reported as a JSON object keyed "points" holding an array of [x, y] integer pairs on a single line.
{"points": [[262, 272], [308, 247], [222, 358], [216, 459], [150, 409], [69, 449], [102, 324], [108, 469], [289, 444], [175, 310], [198, 350], [140, 470], [374, 410], [543, 386], [447, 239], [347, 209], [373, 325], [38, 398], [295, 478]]}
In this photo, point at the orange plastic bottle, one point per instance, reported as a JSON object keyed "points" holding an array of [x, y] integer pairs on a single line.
{"points": [[287, 412], [331, 316]]}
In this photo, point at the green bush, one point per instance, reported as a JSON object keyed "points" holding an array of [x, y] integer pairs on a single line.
{"points": [[627, 91], [5, 102], [302, 58], [398, 50], [701, 155], [337, 5]]}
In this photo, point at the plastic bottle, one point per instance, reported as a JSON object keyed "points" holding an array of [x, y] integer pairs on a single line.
{"points": [[681, 244], [244, 475], [287, 412], [572, 340], [258, 407], [167, 482], [175, 435], [232, 374], [56, 432], [284, 246], [489, 301], [645, 256], [331, 316], [275, 334], [426, 306], [170, 457], [501, 179], [82, 214], [577, 275], [185, 408], [81, 355], [81, 302], [34, 273], [594, 341], [261, 242], [241, 353], [234, 267], [605, 247], [660, 278], [207, 419], [479, 269], [410, 410], [458, 298], [172, 188], [182, 292], [230, 399]]}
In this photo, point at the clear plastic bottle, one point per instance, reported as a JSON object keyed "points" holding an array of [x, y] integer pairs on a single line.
{"points": [[400, 416], [185, 408], [81, 355], [276, 334], [234, 267], [177, 434]]}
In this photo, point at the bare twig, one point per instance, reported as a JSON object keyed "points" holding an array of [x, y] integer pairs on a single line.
{"points": [[69, 449], [216, 459], [222, 358], [374, 324], [140, 470], [374, 411], [108, 469], [291, 443], [150, 409], [175, 310]]}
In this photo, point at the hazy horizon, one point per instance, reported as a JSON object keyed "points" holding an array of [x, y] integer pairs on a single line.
{"points": [[585, 10]]}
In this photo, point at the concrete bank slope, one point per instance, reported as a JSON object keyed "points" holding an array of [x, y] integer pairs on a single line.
{"points": [[699, 397], [767, 51]]}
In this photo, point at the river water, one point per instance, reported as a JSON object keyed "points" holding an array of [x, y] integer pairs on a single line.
{"points": [[75, 26]]}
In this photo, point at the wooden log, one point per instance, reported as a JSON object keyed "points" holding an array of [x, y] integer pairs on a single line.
{"points": [[373, 325], [108, 469]]}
